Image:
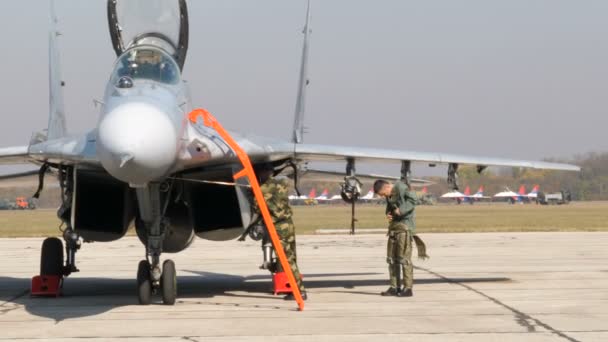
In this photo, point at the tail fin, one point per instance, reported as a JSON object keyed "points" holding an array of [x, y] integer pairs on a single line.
{"points": [[467, 190], [57, 125], [480, 191], [298, 123], [425, 190], [535, 189], [522, 190], [313, 193]]}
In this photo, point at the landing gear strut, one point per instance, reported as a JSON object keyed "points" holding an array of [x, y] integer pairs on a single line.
{"points": [[351, 191], [52, 266], [150, 278]]}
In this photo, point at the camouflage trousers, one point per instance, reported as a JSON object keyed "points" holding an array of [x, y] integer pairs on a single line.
{"points": [[287, 234], [399, 259]]}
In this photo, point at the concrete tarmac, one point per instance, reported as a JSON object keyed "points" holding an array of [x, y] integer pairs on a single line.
{"points": [[475, 287]]}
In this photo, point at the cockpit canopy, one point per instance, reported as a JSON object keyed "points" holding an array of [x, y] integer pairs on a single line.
{"points": [[160, 23], [145, 63]]}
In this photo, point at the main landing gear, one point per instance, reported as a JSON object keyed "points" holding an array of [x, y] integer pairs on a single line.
{"points": [[52, 266]]}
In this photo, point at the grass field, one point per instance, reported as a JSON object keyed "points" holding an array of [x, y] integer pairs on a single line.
{"points": [[467, 218], [591, 216]]}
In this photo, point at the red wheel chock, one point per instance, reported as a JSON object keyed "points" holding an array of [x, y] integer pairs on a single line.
{"points": [[46, 285], [280, 283]]}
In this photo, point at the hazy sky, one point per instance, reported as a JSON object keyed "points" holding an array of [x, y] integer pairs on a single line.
{"points": [[517, 78]]}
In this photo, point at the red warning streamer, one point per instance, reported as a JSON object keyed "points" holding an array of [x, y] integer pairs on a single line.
{"points": [[210, 121]]}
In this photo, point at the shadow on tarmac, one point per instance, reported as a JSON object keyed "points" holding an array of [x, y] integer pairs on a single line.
{"points": [[83, 297]]}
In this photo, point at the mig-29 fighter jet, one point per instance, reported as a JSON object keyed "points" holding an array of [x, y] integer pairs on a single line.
{"points": [[146, 161]]}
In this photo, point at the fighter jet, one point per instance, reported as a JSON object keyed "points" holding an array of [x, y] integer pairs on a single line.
{"points": [[521, 196], [478, 196], [369, 196], [533, 195], [508, 194], [458, 196], [148, 161]]}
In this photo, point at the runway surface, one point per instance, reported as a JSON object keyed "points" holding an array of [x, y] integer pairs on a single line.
{"points": [[475, 287]]}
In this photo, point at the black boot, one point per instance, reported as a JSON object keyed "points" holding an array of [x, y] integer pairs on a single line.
{"points": [[390, 292], [405, 293], [292, 297]]}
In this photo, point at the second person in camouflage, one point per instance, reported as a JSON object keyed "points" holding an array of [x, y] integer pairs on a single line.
{"points": [[276, 194]]}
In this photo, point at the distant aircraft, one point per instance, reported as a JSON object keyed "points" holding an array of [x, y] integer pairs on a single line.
{"points": [[369, 196], [507, 193], [311, 194], [466, 197], [154, 160], [335, 198], [324, 196], [478, 196], [521, 196], [534, 193], [458, 196]]}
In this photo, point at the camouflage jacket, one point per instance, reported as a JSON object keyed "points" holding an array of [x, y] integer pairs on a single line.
{"points": [[276, 194], [405, 200]]}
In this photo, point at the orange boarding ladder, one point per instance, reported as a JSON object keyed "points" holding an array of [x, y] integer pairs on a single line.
{"points": [[247, 171]]}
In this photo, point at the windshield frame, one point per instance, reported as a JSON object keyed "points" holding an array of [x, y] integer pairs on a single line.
{"points": [[127, 65]]}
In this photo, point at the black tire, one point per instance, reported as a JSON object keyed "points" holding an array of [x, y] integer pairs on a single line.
{"points": [[51, 257], [144, 283], [168, 283]]}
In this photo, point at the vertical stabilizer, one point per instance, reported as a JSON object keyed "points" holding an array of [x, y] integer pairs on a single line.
{"points": [[522, 190], [313, 193], [298, 124], [57, 125]]}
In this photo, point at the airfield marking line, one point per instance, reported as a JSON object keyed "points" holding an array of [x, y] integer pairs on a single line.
{"points": [[521, 318]]}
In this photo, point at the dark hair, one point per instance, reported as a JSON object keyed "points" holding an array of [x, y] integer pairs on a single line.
{"points": [[379, 184]]}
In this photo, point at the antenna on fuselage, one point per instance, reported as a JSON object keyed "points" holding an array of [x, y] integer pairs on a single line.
{"points": [[298, 124]]}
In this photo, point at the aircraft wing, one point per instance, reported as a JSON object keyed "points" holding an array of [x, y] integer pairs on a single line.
{"points": [[341, 153], [14, 155], [335, 176], [66, 150]]}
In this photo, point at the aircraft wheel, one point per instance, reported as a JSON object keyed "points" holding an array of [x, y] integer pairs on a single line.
{"points": [[51, 257], [168, 283], [144, 283]]}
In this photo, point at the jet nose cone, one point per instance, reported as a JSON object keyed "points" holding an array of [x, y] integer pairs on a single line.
{"points": [[137, 143]]}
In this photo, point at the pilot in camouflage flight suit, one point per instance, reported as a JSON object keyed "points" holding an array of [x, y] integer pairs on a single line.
{"points": [[276, 196], [400, 211]]}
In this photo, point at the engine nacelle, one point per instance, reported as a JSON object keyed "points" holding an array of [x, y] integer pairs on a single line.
{"points": [[102, 207], [179, 233], [218, 212]]}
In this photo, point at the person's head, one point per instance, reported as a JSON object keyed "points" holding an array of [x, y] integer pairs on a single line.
{"points": [[382, 188]]}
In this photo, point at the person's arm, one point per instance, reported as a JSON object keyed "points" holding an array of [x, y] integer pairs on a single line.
{"points": [[407, 200]]}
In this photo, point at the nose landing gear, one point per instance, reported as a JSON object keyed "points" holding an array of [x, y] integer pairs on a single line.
{"points": [[150, 278], [167, 286]]}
